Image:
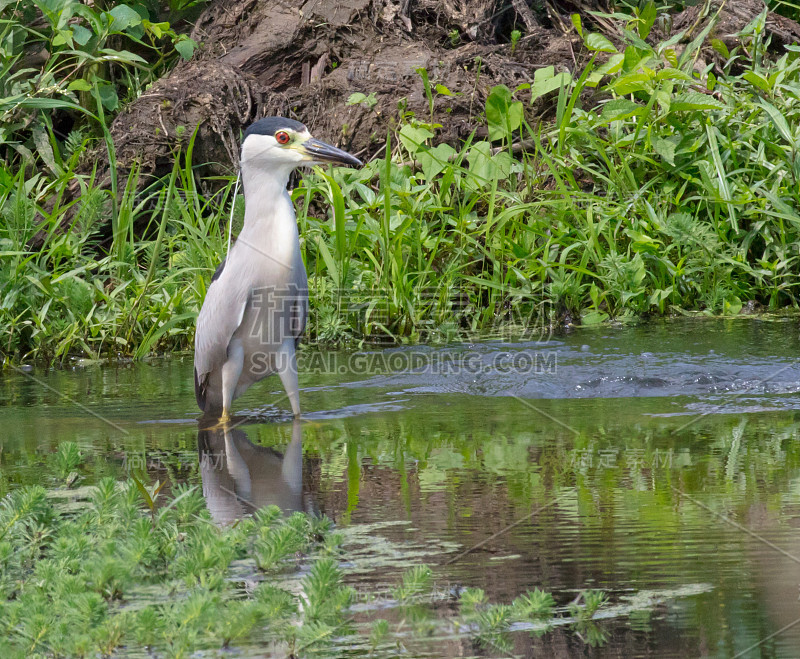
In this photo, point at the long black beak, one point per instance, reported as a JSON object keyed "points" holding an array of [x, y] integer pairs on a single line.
{"points": [[321, 152]]}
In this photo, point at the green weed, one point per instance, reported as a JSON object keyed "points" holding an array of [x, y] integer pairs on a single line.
{"points": [[67, 459]]}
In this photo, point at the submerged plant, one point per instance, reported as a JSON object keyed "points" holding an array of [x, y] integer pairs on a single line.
{"points": [[114, 574], [379, 631]]}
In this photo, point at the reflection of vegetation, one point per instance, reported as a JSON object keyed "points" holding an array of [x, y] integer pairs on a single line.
{"points": [[645, 455]]}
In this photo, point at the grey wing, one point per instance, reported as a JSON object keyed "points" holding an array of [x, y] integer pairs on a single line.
{"points": [[219, 318]]}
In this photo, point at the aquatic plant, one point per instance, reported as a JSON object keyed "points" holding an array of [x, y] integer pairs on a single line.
{"points": [[470, 599], [378, 632], [490, 624], [117, 574], [535, 604], [416, 581], [584, 626], [592, 600], [66, 578], [67, 459]]}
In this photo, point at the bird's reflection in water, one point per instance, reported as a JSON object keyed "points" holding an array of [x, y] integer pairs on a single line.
{"points": [[240, 477]]}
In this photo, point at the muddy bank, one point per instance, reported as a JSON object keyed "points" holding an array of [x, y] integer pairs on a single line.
{"points": [[304, 60]]}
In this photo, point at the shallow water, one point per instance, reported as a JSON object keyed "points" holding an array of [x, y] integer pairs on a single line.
{"points": [[658, 463]]}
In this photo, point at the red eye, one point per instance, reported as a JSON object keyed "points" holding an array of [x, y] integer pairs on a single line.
{"points": [[282, 137]]}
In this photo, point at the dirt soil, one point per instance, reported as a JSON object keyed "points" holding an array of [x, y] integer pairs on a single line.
{"points": [[303, 59]]}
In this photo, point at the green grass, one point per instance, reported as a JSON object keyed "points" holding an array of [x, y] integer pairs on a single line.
{"points": [[644, 186]]}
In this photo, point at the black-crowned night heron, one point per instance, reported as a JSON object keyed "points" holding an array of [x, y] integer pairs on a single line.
{"points": [[256, 306]]}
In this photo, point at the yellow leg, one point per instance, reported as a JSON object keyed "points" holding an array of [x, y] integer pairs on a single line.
{"points": [[231, 370], [220, 423]]}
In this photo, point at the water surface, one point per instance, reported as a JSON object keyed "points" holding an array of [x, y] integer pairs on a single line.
{"points": [[658, 463]]}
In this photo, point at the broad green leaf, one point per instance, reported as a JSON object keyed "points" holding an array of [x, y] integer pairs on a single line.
{"points": [[646, 19], [613, 65], [55, 10], [594, 317], [670, 73], [732, 306], [124, 17], [122, 56], [576, 21], [356, 98], [45, 149], [484, 165], [158, 29], [500, 95], [545, 81], [80, 34], [433, 161], [63, 37], [185, 48], [413, 137], [641, 242], [620, 108], [721, 48], [503, 114], [665, 148], [24, 101], [696, 101], [108, 96], [659, 295], [79, 85], [757, 80], [664, 95], [635, 59], [631, 83], [596, 41]]}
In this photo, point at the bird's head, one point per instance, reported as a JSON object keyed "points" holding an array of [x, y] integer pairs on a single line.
{"points": [[277, 143]]}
